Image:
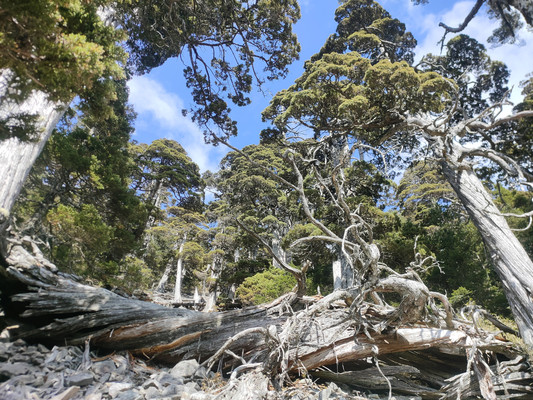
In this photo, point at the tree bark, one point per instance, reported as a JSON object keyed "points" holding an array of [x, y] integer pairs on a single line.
{"points": [[179, 274], [509, 258], [18, 156], [343, 276], [164, 279]]}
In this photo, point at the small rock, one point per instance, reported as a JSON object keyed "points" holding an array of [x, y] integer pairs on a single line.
{"points": [[94, 396], [81, 379], [105, 378], [129, 395], [15, 369], [115, 388], [165, 379], [4, 347], [152, 393], [191, 387], [325, 394], [201, 373], [200, 396], [152, 383], [185, 369], [122, 364], [103, 367], [173, 390], [19, 343], [67, 394]]}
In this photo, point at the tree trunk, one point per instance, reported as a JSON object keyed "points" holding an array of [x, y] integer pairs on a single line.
{"points": [[18, 156], [179, 274], [343, 276], [278, 250], [164, 279], [525, 7], [509, 258], [212, 285]]}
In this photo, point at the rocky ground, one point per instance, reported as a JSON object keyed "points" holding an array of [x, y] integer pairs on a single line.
{"points": [[33, 371]]}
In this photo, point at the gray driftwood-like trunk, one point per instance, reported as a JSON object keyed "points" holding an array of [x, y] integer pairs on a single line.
{"points": [[18, 156], [509, 258]]}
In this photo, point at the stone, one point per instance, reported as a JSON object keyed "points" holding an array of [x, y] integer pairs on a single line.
{"points": [[122, 364], [94, 396], [165, 379], [185, 369], [325, 394], [129, 395], [201, 373], [103, 367], [15, 369], [67, 394], [115, 388], [4, 347], [152, 393], [80, 379], [200, 396], [191, 387], [173, 390], [105, 378]]}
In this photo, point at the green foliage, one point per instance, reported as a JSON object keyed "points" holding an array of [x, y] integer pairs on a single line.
{"points": [[265, 286], [220, 42], [422, 190], [180, 225], [81, 241], [365, 27], [86, 163], [347, 92], [62, 48], [517, 202], [458, 249], [460, 297], [236, 273], [165, 174], [133, 274], [485, 82]]}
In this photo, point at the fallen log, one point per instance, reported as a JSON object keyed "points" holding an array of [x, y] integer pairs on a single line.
{"points": [[290, 336]]}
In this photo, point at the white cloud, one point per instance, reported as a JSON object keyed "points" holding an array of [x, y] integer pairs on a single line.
{"points": [[160, 111]]}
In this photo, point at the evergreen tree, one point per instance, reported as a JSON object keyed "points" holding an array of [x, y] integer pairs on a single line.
{"points": [[401, 111]]}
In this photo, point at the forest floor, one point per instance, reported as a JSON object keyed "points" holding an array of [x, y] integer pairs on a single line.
{"points": [[36, 372]]}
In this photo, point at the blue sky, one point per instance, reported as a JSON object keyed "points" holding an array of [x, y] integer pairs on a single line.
{"points": [[159, 97]]}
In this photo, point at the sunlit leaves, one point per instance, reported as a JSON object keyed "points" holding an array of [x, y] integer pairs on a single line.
{"points": [[60, 47], [226, 46]]}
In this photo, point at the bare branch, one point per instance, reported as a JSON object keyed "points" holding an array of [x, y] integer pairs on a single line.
{"points": [[321, 239], [476, 124], [467, 20]]}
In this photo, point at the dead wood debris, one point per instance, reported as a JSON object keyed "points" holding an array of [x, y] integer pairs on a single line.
{"points": [[343, 338]]}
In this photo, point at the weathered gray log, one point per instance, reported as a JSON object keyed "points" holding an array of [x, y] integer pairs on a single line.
{"points": [[402, 379], [511, 379]]}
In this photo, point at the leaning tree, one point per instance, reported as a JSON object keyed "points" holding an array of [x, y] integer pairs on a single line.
{"points": [[361, 87]]}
